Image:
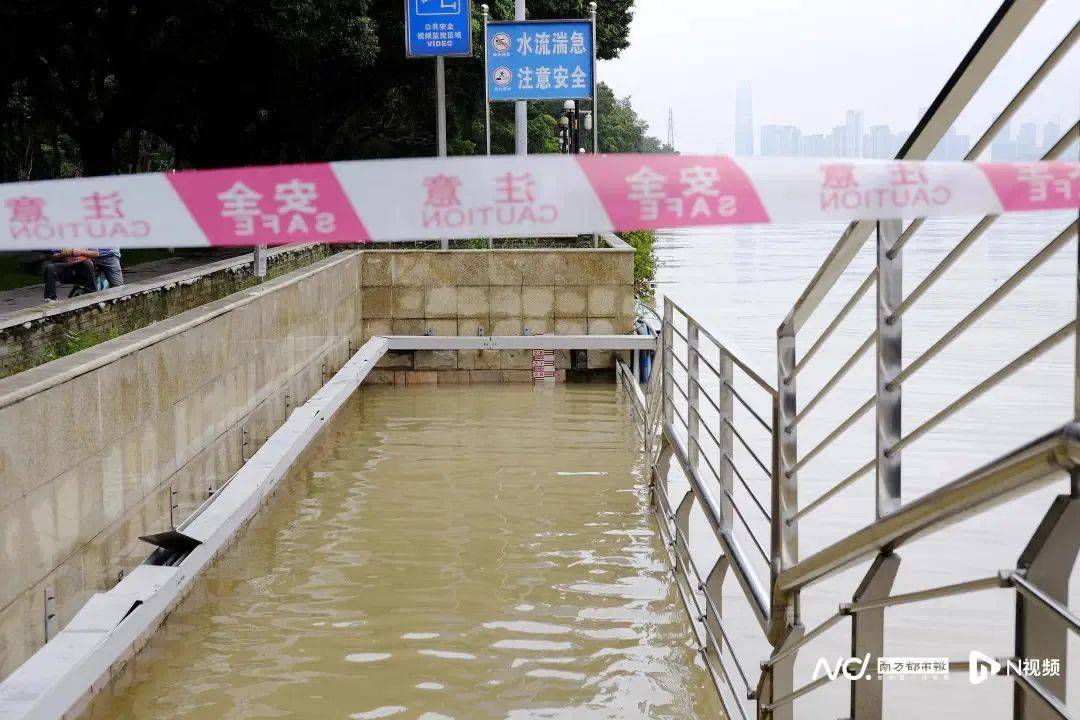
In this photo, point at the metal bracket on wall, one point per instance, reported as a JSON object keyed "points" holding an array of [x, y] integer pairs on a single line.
{"points": [[50, 613], [173, 505]]}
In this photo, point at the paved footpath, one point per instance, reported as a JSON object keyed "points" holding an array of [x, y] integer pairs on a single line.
{"points": [[33, 295]]}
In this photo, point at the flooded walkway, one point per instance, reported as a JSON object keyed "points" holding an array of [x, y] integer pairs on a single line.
{"points": [[474, 552]]}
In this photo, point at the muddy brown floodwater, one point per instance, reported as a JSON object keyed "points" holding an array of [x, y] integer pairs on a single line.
{"points": [[467, 552]]}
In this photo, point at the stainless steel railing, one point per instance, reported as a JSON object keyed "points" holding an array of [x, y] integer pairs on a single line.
{"points": [[738, 459], [699, 424]]}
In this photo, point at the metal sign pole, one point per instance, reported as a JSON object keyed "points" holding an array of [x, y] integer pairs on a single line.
{"points": [[487, 95], [521, 112], [437, 30], [487, 101], [595, 93], [440, 102], [595, 102]]}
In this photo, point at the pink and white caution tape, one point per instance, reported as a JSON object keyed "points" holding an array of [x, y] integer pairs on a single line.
{"points": [[508, 196]]}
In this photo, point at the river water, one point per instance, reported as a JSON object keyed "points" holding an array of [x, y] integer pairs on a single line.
{"points": [[486, 552], [467, 552], [740, 283]]}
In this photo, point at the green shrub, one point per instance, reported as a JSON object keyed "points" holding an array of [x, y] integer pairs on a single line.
{"points": [[643, 242]]}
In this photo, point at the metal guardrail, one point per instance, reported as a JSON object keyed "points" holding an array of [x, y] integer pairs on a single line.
{"points": [[696, 426]]}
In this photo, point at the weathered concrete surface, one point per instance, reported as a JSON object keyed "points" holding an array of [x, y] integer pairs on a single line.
{"points": [[91, 444]]}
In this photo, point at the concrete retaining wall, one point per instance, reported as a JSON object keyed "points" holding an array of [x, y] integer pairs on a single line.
{"points": [[500, 292], [92, 444], [29, 338]]}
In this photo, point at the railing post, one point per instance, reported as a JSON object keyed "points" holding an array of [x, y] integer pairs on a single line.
{"points": [[1046, 562], [889, 363], [693, 420], [668, 401], [785, 489], [714, 591], [778, 680], [682, 537], [868, 636]]}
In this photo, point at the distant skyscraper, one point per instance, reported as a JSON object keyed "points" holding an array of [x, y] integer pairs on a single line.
{"points": [[780, 140], [879, 142], [1027, 145], [744, 120], [1051, 134], [1002, 147], [853, 134], [953, 146], [838, 140], [815, 146]]}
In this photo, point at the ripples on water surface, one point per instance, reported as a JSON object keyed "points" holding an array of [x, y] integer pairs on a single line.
{"points": [[740, 283], [472, 552]]}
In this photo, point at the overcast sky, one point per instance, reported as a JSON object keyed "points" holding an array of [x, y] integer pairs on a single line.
{"points": [[809, 61]]}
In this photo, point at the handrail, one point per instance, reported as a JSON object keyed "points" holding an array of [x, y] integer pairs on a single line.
{"points": [[728, 350], [1023, 470], [1021, 583], [794, 647], [836, 378], [710, 606], [750, 492], [986, 305], [970, 586], [749, 449], [757, 596], [1037, 350], [734, 392], [828, 494], [1038, 691], [836, 432], [835, 323], [1044, 617], [993, 42], [942, 267]]}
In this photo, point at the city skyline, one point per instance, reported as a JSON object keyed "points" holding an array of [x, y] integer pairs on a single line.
{"points": [[808, 63], [854, 139]]}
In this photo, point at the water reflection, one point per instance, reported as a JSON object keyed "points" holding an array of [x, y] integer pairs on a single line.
{"points": [[437, 557]]}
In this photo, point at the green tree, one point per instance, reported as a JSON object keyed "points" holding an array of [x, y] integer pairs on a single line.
{"points": [[104, 86], [621, 130]]}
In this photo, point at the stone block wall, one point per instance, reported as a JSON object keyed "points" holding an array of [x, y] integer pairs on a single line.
{"points": [[91, 445], [94, 445], [500, 292]]}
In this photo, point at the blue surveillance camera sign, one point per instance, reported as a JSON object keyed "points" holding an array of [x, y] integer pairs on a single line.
{"points": [[539, 60], [437, 27]]}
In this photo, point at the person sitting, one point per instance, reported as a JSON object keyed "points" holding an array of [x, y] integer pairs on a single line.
{"points": [[80, 267]]}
